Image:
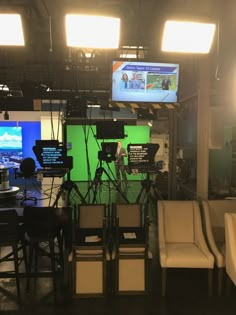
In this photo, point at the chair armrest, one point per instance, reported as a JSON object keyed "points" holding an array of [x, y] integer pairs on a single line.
{"points": [[161, 236], [230, 230], [220, 261], [199, 236], [163, 256]]}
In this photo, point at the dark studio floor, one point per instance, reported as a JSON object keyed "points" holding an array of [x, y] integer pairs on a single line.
{"points": [[186, 289]]}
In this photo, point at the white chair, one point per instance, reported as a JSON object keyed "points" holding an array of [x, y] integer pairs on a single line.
{"points": [[91, 216], [230, 245], [214, 228], [181, 239], [90, 252], [132, 255]]}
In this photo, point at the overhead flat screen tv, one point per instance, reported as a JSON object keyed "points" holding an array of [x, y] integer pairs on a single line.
{"points": [[148, 82]]}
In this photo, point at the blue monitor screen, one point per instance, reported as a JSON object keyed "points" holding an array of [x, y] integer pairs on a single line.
{"points": [[10, 145], [137, 81]]}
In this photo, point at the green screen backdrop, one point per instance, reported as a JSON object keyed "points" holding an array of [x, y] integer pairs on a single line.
{"points": [[77, 136]]}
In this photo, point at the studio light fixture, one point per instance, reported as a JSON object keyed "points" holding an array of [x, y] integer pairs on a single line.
{"points": [[90, 31], [188, 37], [11, 30]]}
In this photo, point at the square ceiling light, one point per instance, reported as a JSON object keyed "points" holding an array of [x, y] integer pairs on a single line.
{"points": [[188, 37], [88, 31], [11, 30]]}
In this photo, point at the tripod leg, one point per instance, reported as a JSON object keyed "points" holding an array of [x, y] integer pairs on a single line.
{"points": [[139, 195], [95, 184], [79, 193], [94, 195], [57, 198], [87, 193], [116, 186]]}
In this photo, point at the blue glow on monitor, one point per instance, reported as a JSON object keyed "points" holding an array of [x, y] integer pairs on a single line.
{"points": [[30, 130], [10, 145]]}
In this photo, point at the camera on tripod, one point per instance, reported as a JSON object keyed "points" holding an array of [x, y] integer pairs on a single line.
{"points": [[108, 152]]}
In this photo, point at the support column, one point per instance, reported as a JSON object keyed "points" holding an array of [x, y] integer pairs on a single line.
{"points": [[203, 129], [172, 154]]}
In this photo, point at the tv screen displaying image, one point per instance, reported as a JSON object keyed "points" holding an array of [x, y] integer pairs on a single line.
{"points": [[151, 82], [10, 145]]}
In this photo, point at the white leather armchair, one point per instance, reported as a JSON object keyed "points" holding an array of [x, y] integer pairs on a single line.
{"points": [[214, 227], [181, 239], [230, 245]]}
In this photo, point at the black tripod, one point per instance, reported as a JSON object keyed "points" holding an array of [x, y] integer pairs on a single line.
{"points": [[97, 181], [145, 191], [67, 187]]}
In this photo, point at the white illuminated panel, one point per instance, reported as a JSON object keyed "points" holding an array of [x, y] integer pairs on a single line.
{"points": [[89, 31], [189, 37], [11, 31]]}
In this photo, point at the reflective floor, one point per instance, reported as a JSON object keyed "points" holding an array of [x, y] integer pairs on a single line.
{"points": [[186, 289]]}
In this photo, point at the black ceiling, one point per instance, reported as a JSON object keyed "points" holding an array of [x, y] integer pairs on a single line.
{"points": [[46, 60]]}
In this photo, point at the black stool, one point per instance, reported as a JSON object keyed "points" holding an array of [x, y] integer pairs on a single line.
{"points": [[41, 226], [10, 236]]}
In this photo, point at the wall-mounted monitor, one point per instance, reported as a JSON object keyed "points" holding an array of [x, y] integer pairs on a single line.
{"points": [[10, 145], [147, 82]]}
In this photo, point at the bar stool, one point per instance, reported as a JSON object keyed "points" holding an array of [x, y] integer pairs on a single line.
{"points": [[41, 226], [11, 237]]}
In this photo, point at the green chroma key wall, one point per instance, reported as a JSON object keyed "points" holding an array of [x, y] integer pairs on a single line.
{"points": [[76, 139]]}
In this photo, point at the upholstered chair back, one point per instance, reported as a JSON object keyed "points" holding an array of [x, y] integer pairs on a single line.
{"points": [[129, 215], [91, 216], [180, 218], [217, 209]]}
